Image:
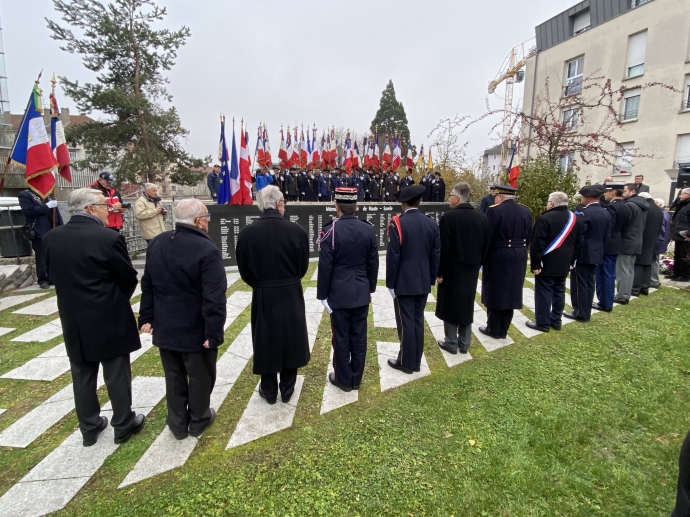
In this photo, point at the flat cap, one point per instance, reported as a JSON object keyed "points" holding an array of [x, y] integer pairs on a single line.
{"points": [[595, 190]]}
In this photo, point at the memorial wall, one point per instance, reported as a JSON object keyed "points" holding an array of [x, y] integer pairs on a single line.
{"points": [[228, 220]]}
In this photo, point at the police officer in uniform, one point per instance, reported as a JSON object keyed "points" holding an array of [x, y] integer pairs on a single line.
{"points": [[595, 226], [503, 276], [412, 259], [348, 269], [407, 181]]}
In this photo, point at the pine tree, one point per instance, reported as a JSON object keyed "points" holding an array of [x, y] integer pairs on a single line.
{"points": [[391, 118], [138, 137]]}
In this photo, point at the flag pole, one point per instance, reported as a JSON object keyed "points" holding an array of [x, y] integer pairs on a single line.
{"points": [[53, 82]]}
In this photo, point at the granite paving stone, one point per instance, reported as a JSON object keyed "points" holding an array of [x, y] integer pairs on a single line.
{"points": [[12, 301], [436, 327], [41, 334], [43, 308], [334, 397], [391, 378]]}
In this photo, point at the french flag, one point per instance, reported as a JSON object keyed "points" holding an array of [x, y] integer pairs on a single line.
{"points": [[268, 159], [315, 154], [245, 193], [58, 143], [260, 153], [375, 153], [235, 186], [304, 151], [410, 159], [386, 156], [396, 154], [282, 152], [294, 156]]}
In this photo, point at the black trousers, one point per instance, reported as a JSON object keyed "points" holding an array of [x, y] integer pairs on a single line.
{"points": [[682, 508], [269, 384], [117, 374], [549, 300], [41, 272], [409, 318], [189, 381], [643, 277], [680, 266], [292, 197], [349, 329], [582, 290], [498, 322]]}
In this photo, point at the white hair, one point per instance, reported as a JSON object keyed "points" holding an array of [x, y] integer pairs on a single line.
{"points": [[463, 191], [80, 198], [558, 198], [268, 197], [645, 195], [189, 210], [660, 202], [685, 191], [149, 186]]}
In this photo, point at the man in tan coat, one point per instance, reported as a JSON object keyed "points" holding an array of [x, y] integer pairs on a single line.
{"points": [[150, 213]]}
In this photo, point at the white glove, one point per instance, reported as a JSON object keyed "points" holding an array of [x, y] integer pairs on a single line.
{"points": [[392, 292], [328, 307], [51, 204]]}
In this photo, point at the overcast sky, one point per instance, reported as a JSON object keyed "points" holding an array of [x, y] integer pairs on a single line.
{"points": [[305, 62]]}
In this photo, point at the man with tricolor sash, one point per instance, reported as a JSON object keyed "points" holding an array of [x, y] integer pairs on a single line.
{"points": [[553, 249]]}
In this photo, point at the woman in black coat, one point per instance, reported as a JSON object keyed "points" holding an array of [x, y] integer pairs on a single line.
{"points": [[272, 257]]}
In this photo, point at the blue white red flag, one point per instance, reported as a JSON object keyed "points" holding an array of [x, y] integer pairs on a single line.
{"points": [[396, 153], [58, 142], [235, 185]]}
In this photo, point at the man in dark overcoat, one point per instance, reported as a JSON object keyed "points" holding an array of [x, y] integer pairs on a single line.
{"points": [[426, 183], [438, 188], [375, 187], [407, 181], [643, 261], [94, 280], [606, 271], [464, 242], [553, 249], [631, 245], [348, 269], [412, 257], [272, 257], [505, 265], [309, 187], [595, 227], [291, 185], [38, 214], [183, 300], [488, 200], [391, 186]]}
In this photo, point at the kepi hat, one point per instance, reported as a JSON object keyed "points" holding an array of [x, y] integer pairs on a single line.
{"points": [[346, 195], [595, 190]]}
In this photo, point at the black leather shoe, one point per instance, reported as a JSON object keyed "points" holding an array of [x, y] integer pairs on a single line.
{"points": [[182, 436], [355, 387], [570, 315], [598, 307], [334, 382], [213, 417], [442, 344], [263, 396], [45, 285], [92, 441], [138, 425], [398, 366], [485, 330], [534, 326], [644, 292], [621, 301], [555, 327], [462, 351]]}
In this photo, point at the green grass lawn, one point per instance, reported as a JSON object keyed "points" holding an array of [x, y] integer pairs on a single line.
{"points": [[586, 421]]}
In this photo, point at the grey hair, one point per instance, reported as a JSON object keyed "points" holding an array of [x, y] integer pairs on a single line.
{"points": [[645, 195], [149, 186], [268, 197], [188, 210], [558, 198], [463, 191], [80, 198], [685, 191], [660, 202]]}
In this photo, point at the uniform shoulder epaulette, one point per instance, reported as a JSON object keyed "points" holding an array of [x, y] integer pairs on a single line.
{"points": [[494, 206]]}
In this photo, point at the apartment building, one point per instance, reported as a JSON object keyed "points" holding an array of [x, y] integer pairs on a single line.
{"points": [[633, 43], [491, 160]]}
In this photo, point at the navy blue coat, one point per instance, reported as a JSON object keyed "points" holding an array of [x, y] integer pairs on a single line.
{"points": [[407, 181], [348, 263], [37, 213], [595, 230], [213, 183], [412, 266], [620, 216], [309, 187], [326, 186], [183, 290]]}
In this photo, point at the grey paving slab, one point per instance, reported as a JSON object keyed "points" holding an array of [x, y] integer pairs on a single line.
{"points": [[43, 308], [315, 276], [261, 419], [520, 323], [231, 278], [384, 311], [382, 267], [34, 287], [430, 298], [137, 291], [489, 343], [333, 397], [236, 304], [35, 498], [314, 310], [12, 301], [40, 369], [528, 298], [436, 327], [391, 378], [5, 330], [41, 334], [135, 307]]}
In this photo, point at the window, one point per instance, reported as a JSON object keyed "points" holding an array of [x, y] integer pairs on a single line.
{"points": [[637, 48], [581, 22], [566, 162], [624, 158], [573, 82], [637, 3], [570, 119], [631, 104], [72, 155], [683, 154], [686, 98]]}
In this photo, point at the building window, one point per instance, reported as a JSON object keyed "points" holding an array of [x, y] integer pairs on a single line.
{"points": [[581, 22], [683, 154], [624, 158], [573, 82], [631, 105], [638, 3], [73, 155], [570, 119], [566, 162], [637, 48], [686, 99]]}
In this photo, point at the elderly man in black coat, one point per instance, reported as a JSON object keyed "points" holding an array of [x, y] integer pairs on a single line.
{"points": [[595, 226], [510, 227], [272, 257], [348, 269], [183, 300], [464, 242], [554, 247], [412, 257], [643, 261], [632, 243], [94, 280]]}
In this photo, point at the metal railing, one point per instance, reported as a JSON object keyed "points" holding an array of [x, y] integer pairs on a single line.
{"points": [[629, 115], [132, 233]]}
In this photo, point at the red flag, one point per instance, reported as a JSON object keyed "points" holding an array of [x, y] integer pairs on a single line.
{"points": [[294, 156], [267, 149], [245, 172], [260, 154], [397, 158], [282, 153], [303, 154], [410, 159], [58, 142], [386, 156], [514, 175]]}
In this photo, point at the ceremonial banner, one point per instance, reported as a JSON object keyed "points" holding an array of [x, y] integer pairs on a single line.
{"points": [[397, 157], [235, 187], [245, 172], [224, 187], [58, 143]]}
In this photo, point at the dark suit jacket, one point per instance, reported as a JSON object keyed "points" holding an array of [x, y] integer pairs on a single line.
{"points": [[620, 216], [642, 188], [412, 266], [94, 280], [549, 226], [37, 213], [595, 224], [652, 229], [348, 271], [183, 290]]}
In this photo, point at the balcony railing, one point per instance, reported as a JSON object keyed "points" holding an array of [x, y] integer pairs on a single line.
{"points": [[686, 104], [573, 86], [629, 115]]}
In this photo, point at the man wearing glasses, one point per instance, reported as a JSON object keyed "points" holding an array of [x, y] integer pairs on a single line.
{"points": [[94, 280]]}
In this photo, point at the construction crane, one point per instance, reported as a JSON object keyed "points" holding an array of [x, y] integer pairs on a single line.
{"points": [[511, 72]]}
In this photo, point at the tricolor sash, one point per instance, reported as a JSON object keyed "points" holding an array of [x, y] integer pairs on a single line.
{"points": [[560, 239]]}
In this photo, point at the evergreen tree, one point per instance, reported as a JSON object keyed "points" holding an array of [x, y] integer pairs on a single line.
{"points": [[391, 118], [139, 137]]}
